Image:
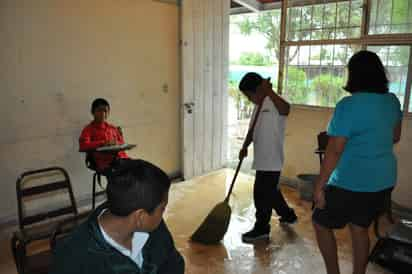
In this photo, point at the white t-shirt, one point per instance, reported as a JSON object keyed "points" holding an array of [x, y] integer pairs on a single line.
{"points": [[268, 137], [138, 242]]}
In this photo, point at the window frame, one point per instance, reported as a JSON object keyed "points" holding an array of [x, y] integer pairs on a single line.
{"points": [[364, 40]]}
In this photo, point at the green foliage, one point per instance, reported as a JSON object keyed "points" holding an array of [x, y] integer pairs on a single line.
{"points": [[328, 89], [253, 59], [296, 92], [338, 20], [243, 106], [267, 24], [302, 19], [390, 16]]}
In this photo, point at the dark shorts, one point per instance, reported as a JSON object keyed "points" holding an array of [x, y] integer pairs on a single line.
{"points": [[348, 207]]}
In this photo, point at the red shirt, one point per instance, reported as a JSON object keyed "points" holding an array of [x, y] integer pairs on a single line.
{"points": [[95, 135]]}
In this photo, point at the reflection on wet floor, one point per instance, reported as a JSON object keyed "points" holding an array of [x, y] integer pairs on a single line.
{"points": [[291, 249]]}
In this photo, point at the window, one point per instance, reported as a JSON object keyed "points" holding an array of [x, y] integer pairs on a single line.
{"points": [[321, 36], [315, 74], [337, 20], [390, 16], [395, 59]]}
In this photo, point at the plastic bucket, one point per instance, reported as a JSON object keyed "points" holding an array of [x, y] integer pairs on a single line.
{"points": [[306, 185]]}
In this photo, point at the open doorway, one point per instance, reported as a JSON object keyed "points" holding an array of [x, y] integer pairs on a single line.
{"points": [[253, 47]]}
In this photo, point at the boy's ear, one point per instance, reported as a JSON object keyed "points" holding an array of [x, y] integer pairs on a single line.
{"points": [[139, 216]]}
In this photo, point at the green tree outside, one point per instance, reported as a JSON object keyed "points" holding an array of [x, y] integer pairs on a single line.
{"points": [[243, 106], [328, 89], [297, 92], [253, 59], [327, 21]]}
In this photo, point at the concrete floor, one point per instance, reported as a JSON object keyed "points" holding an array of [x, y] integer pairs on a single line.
{"points": [[291, 249]]}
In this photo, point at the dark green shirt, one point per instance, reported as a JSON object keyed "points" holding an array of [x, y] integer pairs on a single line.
{"points": [[85, 251]]}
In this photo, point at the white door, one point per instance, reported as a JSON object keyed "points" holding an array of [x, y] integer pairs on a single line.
{"points": [[205, 41]]}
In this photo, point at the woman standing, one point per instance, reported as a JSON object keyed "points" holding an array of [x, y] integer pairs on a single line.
{"points": [[359, 170]]}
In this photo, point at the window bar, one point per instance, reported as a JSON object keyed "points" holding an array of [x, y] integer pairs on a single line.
{"points": [[332, 69], [289, 28], [300, 23], [320, 60], [336, 21], [311, 23], [286, 80], [402, 68], [408, 85], [365, 21], [346, 53], [310, 55], [349, 25], [282, 44], [408, 16], [309, 64], [387, 55], [378, 2], [323, 21], [392, 11]]}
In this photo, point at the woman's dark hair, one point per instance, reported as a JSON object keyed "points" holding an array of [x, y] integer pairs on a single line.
{"points": [[250, 82], [366, 73], [99, 102], [135, 184]]}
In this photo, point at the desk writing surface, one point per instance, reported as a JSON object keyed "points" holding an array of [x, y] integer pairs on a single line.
{"points": [[115, 148]]}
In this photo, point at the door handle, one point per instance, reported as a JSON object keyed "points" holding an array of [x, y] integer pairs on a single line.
{"points": [[189, 107]]}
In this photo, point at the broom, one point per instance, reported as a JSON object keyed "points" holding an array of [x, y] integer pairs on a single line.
{"points": [[215, 225]]}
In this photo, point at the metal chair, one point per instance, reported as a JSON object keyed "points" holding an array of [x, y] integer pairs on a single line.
{"points": [[393, 250], [35, 227], [323, 139], [97, 178]]}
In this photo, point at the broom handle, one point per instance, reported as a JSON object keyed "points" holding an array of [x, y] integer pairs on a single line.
{"points": [[250, 131]]}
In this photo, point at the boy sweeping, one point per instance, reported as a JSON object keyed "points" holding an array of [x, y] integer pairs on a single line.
{"points": [[267, 137]]}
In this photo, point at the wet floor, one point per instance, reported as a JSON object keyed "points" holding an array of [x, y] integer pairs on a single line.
{"points": [[291, 249]]}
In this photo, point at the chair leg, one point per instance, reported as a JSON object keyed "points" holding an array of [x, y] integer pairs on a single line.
{"points": [[320, 158], [94, 191], [389, 212], [19, 254], [99, 180], [14, 243]]}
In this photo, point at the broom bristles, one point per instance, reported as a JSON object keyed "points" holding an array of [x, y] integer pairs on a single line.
{"points": [[214, 226]]}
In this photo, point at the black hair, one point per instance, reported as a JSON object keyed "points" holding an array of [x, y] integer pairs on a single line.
{"points": [[99, 102], [135, 184], [250, 81], [366, 73]]}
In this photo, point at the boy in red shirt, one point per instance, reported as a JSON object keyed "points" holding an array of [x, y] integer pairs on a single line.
{"points": [[100, 133]]}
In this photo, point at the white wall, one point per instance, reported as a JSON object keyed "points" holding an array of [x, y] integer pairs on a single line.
{"points": [[305, 123], [57, 56]]}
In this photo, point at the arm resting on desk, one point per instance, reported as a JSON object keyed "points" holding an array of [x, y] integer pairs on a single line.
{"points": [[86, 143]]}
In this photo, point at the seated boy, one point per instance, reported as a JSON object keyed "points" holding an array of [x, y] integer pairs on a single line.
{"points": [[126, 234], [100, 133]]}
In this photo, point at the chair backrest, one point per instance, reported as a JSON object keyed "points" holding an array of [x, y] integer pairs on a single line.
{"points": [[323, 139], [40, 189]]}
